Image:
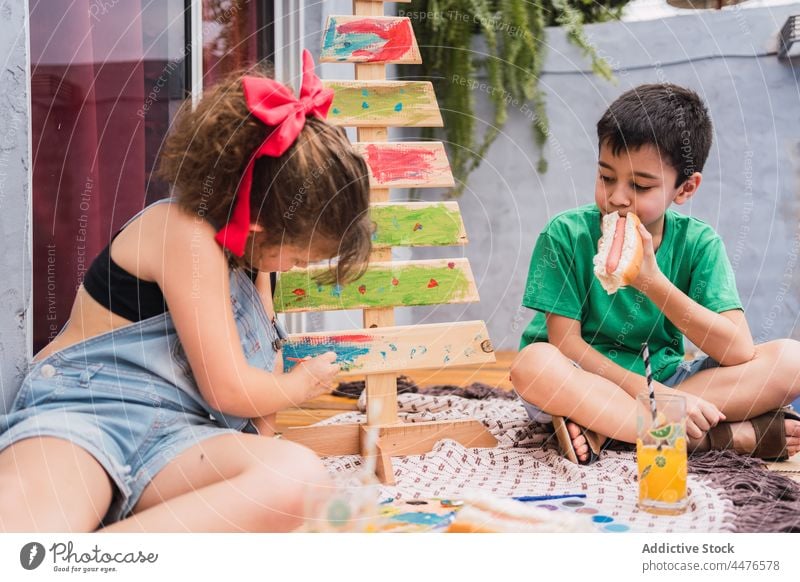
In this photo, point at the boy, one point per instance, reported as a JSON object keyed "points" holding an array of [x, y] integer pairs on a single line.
{"points": [[579, 357]]}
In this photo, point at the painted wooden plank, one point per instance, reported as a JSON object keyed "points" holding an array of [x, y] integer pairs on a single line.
{"points": [[369, 39], [385, 284], [417, 224], [420, 164], [384, 104], [396, 349]]}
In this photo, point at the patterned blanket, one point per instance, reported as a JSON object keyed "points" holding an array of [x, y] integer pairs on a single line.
{"points": [[526, 462]]}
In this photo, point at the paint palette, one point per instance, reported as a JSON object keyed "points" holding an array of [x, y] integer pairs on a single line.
{"points": [[415, 516], [604, 523], [436, 515]]}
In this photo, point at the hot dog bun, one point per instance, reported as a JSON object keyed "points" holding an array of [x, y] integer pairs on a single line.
{"points": [[623, 259]]}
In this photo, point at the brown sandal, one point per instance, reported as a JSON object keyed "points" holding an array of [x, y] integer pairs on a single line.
{"points": [[770, 435], [595, 441]]}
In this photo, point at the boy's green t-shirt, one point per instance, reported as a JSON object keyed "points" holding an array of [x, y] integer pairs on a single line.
{"points": [[561, 281]]}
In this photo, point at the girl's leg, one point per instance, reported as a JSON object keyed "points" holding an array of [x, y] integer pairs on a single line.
{"points": [[50, 484], [232, 482]]}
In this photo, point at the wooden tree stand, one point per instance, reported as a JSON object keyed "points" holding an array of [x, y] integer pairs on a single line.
{"points": [[381, 350]]}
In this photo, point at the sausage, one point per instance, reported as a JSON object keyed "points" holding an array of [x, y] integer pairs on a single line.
{"points": [[615, 254]]}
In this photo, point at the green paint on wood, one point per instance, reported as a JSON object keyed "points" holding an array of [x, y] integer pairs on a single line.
{"points": [[404, 103], [381, 286], [430, 225]]}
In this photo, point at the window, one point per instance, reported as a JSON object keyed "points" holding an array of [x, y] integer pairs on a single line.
{"points": [[106, 80]]}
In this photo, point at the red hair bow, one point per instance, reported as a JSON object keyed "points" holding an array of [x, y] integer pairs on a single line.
{"points": [[275, 105]]}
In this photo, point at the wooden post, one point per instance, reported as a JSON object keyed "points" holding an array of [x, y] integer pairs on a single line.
{"points": [[381, 388]]}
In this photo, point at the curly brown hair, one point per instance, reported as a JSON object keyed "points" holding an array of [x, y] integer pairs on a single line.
{"points": [[318, 188]]}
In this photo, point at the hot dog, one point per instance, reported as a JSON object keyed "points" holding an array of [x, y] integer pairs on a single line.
{"points": [[615, 253], [619, 254]]}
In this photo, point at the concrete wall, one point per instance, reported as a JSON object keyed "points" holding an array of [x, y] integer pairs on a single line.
{"points": [[15, 260], [751, 181]]}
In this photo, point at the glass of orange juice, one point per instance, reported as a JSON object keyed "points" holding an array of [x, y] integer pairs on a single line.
{"points": [[661, 454]]}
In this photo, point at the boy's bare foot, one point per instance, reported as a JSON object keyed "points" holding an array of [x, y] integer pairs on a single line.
{"points": [[579, 441], [744, 437]]}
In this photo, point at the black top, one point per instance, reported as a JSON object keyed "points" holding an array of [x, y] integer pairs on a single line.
{"points": [[120, 292]]}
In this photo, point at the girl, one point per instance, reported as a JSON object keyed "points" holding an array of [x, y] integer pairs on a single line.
{"points": [[135, 417]]}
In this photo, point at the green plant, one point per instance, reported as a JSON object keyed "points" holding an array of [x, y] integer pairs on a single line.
{"points": [[514, 33]]}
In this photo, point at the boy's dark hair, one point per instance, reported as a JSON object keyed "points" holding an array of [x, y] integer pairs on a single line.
{"points": [[318, 190], [671, 118]]}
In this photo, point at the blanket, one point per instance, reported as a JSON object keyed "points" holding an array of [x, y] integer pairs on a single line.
{"points": [[728, 492]]}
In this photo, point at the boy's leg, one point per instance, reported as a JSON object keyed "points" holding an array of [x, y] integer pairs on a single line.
{"points": [[544, 376], [232, 482], [769, 381], [50, 484]]}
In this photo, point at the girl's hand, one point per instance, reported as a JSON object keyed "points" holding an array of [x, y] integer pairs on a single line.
{"points": [[318, 373], [649, 271]]}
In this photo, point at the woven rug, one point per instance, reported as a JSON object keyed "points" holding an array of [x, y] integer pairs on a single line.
{"points": [[727, 492]]}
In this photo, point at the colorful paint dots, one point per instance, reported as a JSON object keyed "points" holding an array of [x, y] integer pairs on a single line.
{"points": [[427, 519], [602, 519], [418, 106], [433, 283], [616, 528]]}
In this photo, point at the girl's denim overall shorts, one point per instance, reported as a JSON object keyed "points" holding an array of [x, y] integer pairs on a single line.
{"points": [[129, 398]]}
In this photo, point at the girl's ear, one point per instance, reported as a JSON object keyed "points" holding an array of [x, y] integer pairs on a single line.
{"points": [[688, 188], [256, 228]]}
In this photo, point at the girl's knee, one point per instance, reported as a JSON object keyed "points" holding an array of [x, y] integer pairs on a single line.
{"points": [[14, 514], [277, 490]]}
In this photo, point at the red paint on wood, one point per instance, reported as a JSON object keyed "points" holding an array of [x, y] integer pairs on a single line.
{"points": [[398, 35], [394, 164]]}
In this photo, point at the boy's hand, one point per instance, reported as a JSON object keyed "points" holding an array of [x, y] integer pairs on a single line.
{"points": [[318, 373], [649, 271], [701, 415]]}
